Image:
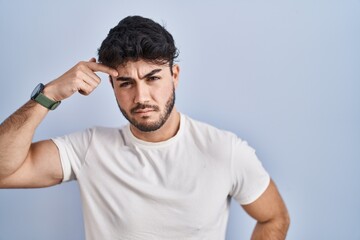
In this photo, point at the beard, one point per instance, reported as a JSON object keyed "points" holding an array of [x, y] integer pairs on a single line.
{"points": [[150, 127]]}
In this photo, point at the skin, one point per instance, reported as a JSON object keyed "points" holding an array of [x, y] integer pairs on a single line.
{"points": [[147, 84], [24, 164], [271, 214]]}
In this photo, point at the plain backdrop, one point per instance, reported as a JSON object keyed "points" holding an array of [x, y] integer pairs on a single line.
{"points": [[283, 75]]}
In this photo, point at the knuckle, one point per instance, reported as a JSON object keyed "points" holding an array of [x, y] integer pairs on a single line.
{"points": [[75, 86], [77, 74], [74, 90], [77, 81], [79, 67]]}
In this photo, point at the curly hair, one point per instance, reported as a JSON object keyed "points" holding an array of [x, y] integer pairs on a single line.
{"points": [[136, 38]]}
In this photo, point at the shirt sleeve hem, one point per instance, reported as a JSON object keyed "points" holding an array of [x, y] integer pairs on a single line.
{"points": [[66, 166], [257, 194]]}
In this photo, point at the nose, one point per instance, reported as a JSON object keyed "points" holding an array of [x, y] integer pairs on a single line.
{"points": [[142, 94]]}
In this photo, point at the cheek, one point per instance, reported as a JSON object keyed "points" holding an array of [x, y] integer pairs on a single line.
{"points": [[122, 99], [162, 95]]}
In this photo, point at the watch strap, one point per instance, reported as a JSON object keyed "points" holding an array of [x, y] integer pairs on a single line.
{"points": [[38, 96], [46, 102]]}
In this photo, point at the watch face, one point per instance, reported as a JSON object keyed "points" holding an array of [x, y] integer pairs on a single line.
{"points": [[37, 90]]}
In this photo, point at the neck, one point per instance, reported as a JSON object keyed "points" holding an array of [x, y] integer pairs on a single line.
{"points": [[165, 132]]}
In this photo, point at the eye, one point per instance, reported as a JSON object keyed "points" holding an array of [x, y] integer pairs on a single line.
{"points": [[153, 78], [125, 84]]}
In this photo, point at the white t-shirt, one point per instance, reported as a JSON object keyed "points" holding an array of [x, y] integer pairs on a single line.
{"points": [[176, 189]]}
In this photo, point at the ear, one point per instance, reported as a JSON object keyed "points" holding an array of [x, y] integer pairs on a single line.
{"points": [[176, 72], [111, 81]]}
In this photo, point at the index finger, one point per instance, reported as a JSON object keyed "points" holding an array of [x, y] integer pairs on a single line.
{"points": [[99, 67]]}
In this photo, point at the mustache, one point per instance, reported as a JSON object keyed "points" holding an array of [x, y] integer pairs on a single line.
{"points": [[140, 106]]}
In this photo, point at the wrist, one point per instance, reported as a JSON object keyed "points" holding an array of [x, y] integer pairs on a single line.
{"points": [[38, 96], [49, 93]]}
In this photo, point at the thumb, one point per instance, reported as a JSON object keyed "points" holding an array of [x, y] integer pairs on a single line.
{"points": [[92, 59]]}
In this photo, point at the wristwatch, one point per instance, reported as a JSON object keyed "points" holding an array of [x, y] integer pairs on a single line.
{"points": [[38, 96]]}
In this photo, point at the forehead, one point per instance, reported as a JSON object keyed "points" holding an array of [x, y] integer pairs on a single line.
{"points": [[139, 67]]}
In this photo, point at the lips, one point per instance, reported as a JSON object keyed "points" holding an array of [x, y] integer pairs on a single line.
{"points": [[144, 108]]}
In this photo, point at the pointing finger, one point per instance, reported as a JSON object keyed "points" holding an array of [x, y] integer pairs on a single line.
{"points": [[98, 67]]}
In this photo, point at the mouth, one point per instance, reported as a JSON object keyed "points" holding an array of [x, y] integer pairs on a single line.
{"points": [[144, 108], [142, 111]]}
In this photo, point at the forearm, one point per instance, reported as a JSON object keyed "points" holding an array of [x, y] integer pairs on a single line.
{"points": [[16, 134], [17, 131], [271, 230]]}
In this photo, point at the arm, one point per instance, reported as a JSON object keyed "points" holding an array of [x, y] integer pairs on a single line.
{"points": [[271, 214], [27, 164]]}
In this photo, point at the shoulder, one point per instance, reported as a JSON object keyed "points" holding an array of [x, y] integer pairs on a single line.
{"points": [[207, 129], [100, 130], [209, 133], [105, 134], [89, 134]]}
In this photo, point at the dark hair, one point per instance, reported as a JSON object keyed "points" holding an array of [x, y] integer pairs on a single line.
{"points": [[136, 38]]}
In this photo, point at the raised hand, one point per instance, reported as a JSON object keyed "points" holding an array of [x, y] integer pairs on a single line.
{"points": [[80, 78]]}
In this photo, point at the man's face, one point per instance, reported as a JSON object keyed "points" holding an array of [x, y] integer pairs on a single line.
{"points": [[145, 93]]}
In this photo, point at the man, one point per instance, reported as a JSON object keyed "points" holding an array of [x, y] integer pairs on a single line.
{"points": [[163, 176]]}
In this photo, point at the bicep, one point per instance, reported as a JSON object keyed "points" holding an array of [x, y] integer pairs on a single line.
{"points": [[268, 206], [42, 168]]}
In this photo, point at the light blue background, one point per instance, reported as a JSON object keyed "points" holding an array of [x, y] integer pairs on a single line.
{"points": [[284, 75]]}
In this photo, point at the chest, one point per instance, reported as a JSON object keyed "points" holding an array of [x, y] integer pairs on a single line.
{"points": [[181, 186]]}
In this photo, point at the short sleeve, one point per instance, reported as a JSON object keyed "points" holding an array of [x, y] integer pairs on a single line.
{"points": [[73, 149], [250, 179]]}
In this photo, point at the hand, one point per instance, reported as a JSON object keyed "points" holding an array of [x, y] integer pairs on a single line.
{"points": [[81, 78]]}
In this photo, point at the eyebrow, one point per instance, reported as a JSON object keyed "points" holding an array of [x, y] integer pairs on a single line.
{"points": [[124, 78]]}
